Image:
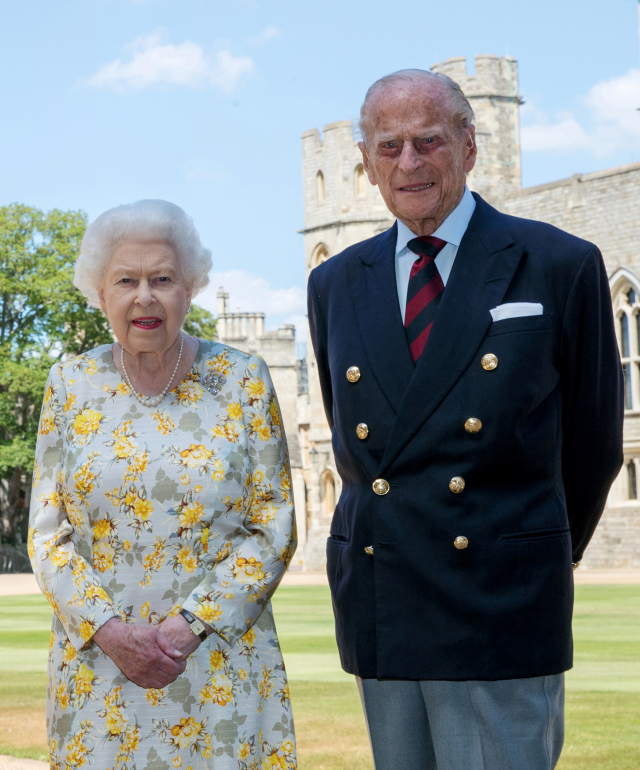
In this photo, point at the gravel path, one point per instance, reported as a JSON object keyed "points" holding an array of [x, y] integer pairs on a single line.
{"points": [[13, 763], [17, 585]]}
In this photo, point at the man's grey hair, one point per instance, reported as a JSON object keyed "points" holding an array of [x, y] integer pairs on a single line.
{"points": [[146, 220], [462, 115]]}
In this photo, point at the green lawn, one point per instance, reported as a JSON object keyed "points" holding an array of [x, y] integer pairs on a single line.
{"points": [[603, 690]]}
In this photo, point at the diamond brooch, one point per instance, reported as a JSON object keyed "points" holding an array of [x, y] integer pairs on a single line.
{"points": [[212, 382]]}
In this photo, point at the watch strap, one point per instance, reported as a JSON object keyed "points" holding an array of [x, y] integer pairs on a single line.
{"points": [[191, 619]]}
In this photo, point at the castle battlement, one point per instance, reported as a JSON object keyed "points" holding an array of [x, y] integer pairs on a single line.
{"points": [[337, 194], [494, 76], [493, 94]]}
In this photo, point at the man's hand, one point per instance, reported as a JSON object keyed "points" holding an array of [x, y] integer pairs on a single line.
{"points": [[176, 630], [143, 654]]}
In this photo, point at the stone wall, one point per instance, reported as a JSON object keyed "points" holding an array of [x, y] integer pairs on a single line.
{"points": [[616, 542], [603, 207]]}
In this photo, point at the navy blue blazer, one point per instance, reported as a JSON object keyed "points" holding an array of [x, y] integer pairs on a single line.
{"points": [[536, 475]]}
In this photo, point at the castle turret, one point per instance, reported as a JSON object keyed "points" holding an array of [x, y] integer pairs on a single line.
{"points": [[341, 207], [493, 94]]}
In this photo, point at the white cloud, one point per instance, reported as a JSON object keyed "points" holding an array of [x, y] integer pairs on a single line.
{"points": [[267, 33], [565, 134], [252, 293], [154, 62], [613, 125]]}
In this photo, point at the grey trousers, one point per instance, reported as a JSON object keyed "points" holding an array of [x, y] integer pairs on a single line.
{"points": [[511, 724]]}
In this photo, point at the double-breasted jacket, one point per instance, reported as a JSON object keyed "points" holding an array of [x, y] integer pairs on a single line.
{"points": [[484, 468]]}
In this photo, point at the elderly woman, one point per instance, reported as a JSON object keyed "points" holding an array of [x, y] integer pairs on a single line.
{"points": [[162, 521]]}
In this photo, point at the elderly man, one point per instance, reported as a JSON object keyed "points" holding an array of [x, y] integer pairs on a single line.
{"points": [[471, 379]]}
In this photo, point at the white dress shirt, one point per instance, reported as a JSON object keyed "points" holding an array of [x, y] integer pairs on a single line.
{"points": [[451, 231]]}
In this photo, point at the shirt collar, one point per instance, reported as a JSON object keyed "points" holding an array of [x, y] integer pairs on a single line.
{"points": [[451, 230]]}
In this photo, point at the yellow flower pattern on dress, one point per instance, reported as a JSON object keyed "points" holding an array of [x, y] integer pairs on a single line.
{"points": [[140, 512], [164, 423]]}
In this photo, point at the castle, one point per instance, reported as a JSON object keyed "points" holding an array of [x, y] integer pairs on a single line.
{"points": [[342, 208]]}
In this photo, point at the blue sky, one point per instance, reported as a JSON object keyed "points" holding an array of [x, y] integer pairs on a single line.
{"points": [[203, 103]]}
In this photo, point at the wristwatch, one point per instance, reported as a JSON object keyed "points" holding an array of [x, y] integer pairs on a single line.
{"points": [[197, 626]]}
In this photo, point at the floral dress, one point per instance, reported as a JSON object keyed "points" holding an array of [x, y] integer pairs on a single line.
{"points": [[139, 511]]}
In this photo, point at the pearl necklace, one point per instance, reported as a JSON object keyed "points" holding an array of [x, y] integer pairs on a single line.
{"points": [[151, 400]]}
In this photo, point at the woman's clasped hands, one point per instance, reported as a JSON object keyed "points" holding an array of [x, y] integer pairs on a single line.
{"points": [[151, 656]]}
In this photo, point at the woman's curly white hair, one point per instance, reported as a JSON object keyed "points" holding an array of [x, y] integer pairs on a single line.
{"points": [[147, 220]]}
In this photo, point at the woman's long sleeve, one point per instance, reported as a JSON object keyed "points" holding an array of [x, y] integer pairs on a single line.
{"points": [[58, 506], [243, 573]]}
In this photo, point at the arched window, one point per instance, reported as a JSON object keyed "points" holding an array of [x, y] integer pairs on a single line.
{"points": [[632, 480], [624, 336], [320, 187], [626, 308], [361, 181], [328, 493], [320, 255]]}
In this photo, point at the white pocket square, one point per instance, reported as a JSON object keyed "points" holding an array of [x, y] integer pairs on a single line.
{"points": [[515, 310]]}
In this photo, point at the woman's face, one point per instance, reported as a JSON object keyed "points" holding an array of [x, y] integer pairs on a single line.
{"points": [[145, 296]]}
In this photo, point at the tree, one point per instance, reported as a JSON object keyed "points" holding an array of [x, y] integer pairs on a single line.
{"points": [[42, 318], [200, 323]]}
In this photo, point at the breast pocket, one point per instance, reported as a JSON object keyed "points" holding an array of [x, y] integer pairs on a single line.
{"points": [[530, 323]]}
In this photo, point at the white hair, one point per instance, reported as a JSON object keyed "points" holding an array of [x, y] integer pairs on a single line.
{"points": [[462, 115], [147, 220]]}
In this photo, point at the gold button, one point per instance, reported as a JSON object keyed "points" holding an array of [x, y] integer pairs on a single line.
{"points": [[362, 431], [461, 543], [473, 425], [456, 485], [380, 487], [369, 550], [353, 374], [489, 362]]}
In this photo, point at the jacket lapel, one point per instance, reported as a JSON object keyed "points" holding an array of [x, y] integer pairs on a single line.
{"points": [[484, 267], [372, 282]]}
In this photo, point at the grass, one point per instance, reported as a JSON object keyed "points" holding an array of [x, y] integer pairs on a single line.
{"points": [[603, 690]]}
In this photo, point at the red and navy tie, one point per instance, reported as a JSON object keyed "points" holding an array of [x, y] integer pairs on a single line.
{"points": [[424, 293]]}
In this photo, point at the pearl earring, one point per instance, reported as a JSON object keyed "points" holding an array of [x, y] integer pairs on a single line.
{"points": [[189, 310], [103, 313]]}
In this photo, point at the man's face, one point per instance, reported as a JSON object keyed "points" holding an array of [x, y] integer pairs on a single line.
{"points": [[415, 154]]}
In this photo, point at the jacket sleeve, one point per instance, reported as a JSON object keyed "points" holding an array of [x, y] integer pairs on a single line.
{"points": [[593, 404], [65, 577], [242, 575], [318, 331]]}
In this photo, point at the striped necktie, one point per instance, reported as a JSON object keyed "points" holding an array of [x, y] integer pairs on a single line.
{"points": [[424, 293]]}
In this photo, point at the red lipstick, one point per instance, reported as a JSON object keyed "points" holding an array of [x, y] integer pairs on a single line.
{"points": [[151, 322]]}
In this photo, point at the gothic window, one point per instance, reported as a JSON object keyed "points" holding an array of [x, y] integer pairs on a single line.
{"points": [[632, 480], [624, 336], [361, 182], [328, 493], [320, 255], [626, 307], [320, 187]]}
